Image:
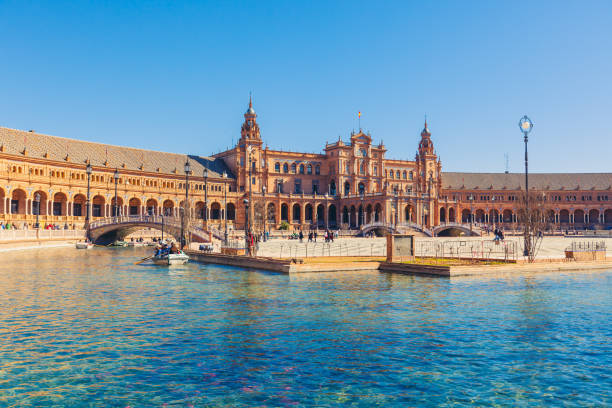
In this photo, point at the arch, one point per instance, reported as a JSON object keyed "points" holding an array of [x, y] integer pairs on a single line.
{"points": [[215, 211], [451, 214], [152, 206], [78, 205], [231, 212], [442, 214], [18, 201], [284, 212], [168, 207], [317, 169], [360, 215], [466, 215], [594, 216], [550, 216], [368, 214], [271, 213], [578, 217], [320, 214], [309, 169], [377, 212], [97, 206], [332, 187], [134, 206], [199, 210], [277, 167], [608, 216], [293, 168], [345, 215], [361, 188], [494, 216], [308, 213], [353, 216], [507, 216], [296, 212], [408, 213], [347, 188], [331, 215], [564, 216], [285, 168], [301, 169], [60, 202], [480, 215], [43, 203]]}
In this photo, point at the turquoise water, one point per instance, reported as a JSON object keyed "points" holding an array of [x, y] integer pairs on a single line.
{"points": [[90, 329]]}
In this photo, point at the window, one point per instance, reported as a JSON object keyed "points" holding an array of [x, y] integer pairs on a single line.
{"points": [[411, 175], [309, 169], [391, 174], [317, 169], [277, 167], [285, 168], [301, 169], [96, 210], [397, 174], [293, 168], [375, 171], [315, 187], [298, 186], [404, 175], [361, 168], [348, 168]]}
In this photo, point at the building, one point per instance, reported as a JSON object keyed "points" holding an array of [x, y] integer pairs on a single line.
{"points": [[350, 184]]}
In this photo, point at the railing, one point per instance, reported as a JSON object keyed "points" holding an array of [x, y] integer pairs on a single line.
{"points": [[472, 249], [587, 246], [136, 219], [41, 234]]}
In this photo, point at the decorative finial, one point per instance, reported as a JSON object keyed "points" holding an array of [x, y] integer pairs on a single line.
{"points": [[250, 100]]}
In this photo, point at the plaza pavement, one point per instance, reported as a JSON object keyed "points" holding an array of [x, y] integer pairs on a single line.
{"points": [[548, 248]]}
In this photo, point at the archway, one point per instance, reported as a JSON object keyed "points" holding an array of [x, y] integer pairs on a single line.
{"points": [[494, 216], [215, 211], [465, 216], [579, 217], [308, 213], [284, 212], [199, 210], [331, 215], [59, 204], [480, 215], [43, 203], [368, 214], [116, 209], [347, 188], [271, 213], [594, 216], [78, 206], [361, 188], [408, 213], [442, 214], [608, 216], [97, 206], [353, 217], [377, 212], [345, 215], [564, 216], [168, 208], [507, 216], [295, 213], [134, 206], [320, 215], [231, 212], [451, 215], [152, 206]]}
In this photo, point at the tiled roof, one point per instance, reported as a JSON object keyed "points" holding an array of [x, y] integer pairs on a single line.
{"points": [[58, 148], [539, 181]]}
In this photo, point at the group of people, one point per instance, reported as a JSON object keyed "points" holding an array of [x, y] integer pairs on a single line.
{"points": [[313, 235], [165, 249], [499, 234]]}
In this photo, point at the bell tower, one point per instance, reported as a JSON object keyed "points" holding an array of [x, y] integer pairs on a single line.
{"points": [[249, 134], [428, 175]]}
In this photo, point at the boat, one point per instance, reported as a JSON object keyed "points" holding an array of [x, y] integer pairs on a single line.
{"points": [[119, 244], [171, 259], [84, 245], [136, 244]]}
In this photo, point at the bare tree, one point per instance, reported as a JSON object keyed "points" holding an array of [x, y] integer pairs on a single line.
{"points": [[534, 218]]}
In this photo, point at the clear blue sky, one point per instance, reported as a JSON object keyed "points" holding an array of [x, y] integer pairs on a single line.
{"points": [[176, 75]]}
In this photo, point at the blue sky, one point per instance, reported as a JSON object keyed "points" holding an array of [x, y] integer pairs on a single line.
{"points": [[175, 76]]}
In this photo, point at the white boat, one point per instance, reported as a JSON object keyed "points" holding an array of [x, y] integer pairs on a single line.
{"points": [[84, 245], [136, 244], [171, 259]]}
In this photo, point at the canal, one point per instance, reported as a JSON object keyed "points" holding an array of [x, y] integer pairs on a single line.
{"points": [[91, 329]]}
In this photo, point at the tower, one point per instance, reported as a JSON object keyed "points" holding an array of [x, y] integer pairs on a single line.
{"points": [[249, 134], [428, 176]]}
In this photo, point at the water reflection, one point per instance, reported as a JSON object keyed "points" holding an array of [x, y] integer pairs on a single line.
{"points": [[91, 329]]}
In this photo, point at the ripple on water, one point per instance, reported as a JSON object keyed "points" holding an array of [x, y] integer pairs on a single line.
{"points": [[94, 330]]}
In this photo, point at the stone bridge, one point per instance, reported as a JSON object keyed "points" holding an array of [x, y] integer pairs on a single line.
{"points": [[106, 230], [399, 228], [456, 229]]}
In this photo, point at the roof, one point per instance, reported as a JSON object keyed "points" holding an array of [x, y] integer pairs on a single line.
{"points": [[516, 181], [128, 158]]}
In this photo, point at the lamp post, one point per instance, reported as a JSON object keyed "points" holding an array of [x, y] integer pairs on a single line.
{"points": [[88, 170], [205, 216], [265, 211], [362, 209], [116, 177], [186, 206], [37, 199], [225, 205], [525, 125], [396, 206], [326, 215]]}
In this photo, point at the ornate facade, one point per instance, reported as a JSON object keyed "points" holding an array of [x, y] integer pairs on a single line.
{"points": [[349, 184]]}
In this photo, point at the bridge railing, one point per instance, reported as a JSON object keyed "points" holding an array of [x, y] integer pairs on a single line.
{"points": [[127, 219]]}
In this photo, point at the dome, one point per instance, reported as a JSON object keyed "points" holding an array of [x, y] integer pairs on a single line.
{"points": [[250, 111]]}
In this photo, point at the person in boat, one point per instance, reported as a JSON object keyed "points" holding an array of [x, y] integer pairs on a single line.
{"points": [[174, 249]]}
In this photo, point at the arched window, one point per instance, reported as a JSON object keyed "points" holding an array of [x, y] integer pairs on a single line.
{"points": [[361, 168], [397, 174], [285, 168], [309, 169], [293, 167], [301, 169], [390, 173], [404, 175], [277, 167], [411, 175], [317, 169]]}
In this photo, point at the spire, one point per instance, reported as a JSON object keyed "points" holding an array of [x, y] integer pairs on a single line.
{"points": [[250, 111], [250, 100]]}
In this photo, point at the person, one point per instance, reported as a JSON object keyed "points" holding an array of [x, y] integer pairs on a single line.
{"points": [[315, 236], [174, 249], [310, 236], [301, 236]]}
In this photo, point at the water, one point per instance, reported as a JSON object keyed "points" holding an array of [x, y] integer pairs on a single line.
{"points": [[90, 329]]}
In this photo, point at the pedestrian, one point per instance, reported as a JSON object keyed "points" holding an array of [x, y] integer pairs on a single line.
{"points": [[301, 236], [315, 236]]}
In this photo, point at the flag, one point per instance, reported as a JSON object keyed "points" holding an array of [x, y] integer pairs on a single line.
{"points": [[359, 114]]}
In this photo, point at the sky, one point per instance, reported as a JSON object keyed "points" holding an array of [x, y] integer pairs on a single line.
{"points": [[176, 76]]}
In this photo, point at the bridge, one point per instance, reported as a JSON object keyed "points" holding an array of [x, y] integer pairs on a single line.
{"points": [[446, 229], [109, 229]]}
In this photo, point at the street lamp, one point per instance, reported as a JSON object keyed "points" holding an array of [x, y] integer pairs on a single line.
{"points": [[225, 205], [116, 177], [396, 206], [186, 206], [525, 125], [205, 217], [362, 209], [326, 215], [88, 170], [471, 198], [37, 199]]}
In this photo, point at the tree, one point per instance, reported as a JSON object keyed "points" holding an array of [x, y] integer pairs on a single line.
{"points": [[534, 218]]}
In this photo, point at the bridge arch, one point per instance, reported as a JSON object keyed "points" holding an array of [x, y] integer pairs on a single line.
{"points": [[453, 229]]}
